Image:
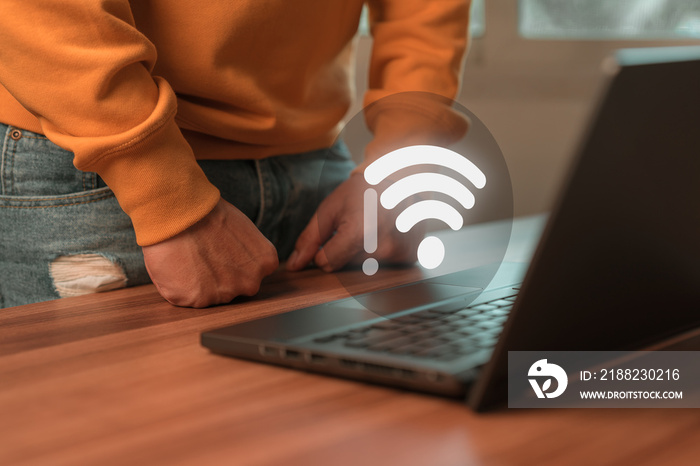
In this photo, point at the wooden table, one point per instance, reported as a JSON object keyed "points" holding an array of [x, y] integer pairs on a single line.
{"points": [[120, 378]]}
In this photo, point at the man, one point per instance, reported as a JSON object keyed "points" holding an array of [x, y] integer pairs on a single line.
{"points": [[137, 93]]}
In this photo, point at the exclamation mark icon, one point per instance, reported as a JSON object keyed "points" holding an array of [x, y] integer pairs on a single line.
{"points": [[370, 265]]}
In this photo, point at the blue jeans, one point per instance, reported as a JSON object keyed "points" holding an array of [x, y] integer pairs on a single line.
{"points": [[62, 232]]}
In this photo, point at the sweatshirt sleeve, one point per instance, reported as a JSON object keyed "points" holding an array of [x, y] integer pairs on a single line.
{"points": [[419, 45], [84, 70]]}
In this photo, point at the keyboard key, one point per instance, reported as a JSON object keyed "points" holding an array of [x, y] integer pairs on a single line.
{"points": [[484, 307], [450, 327], [503, 311], [454, 318], [411, 328], [499, 319], [447, 357], [372, 337], [500, 303], [356, 344], [452, 336], [486, 343], [426, 334], [479, 318], [433, 323], [489, 325], [387, 325], [469, 330], [468, 312], [376, 336], [484, 340], [417, 347]]}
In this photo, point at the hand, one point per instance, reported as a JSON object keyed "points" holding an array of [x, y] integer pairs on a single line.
{"points": [[337, 227], [220, 257]]}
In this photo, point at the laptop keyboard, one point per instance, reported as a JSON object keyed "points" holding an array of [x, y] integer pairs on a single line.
{"points": [[433, 333]]}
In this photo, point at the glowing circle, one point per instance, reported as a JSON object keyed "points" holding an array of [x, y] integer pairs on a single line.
{"points": [[370, 266], [431, 252]]}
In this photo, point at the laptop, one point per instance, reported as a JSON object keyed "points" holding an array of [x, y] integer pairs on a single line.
{"points": [[616, 268]]}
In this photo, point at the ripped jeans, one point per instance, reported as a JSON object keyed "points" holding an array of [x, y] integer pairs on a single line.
{"points": [[62, 232]]}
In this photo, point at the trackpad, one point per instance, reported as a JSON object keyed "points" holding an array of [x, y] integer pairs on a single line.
{"points": [[410, 296]]}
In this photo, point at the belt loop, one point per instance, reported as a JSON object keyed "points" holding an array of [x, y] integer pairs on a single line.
{"points": [[4, 156]]}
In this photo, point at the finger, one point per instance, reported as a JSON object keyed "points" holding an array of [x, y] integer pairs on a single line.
{"points": [[317, 232], [340, 249], [306, 246]]}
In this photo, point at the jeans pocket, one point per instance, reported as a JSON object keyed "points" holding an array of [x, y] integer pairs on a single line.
{"points": [[56, 200], [33, 166], [65, 245]]}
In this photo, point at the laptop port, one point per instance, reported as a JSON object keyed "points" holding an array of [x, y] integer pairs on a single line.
{"points": [[434, 376], [268, 350], [379, 369], [291, 354], [317, 359], [349, 363]]}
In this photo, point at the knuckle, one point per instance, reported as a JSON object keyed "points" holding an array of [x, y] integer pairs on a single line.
{"points": [[267, 263], [180, 301], [170, 296], [250, 288], [195, 298], [200, 303], [256, 272], [272, 257], [226, 295]]}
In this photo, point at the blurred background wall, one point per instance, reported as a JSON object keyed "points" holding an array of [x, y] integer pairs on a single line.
{"points": [[536, 95]]}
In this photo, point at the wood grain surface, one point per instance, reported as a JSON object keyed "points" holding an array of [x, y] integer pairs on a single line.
{"points": [[120, 378]]}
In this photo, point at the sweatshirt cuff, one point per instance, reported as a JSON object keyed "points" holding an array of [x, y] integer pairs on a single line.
{"points": [[155, 176], [159, 185]]}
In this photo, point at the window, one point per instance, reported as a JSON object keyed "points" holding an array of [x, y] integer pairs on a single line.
{"points": [[607, 19]]}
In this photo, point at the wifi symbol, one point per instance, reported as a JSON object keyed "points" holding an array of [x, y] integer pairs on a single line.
{"points": [[431, 250]]}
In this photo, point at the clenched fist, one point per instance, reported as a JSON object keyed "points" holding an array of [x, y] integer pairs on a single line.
{"points": [[220, 257]]}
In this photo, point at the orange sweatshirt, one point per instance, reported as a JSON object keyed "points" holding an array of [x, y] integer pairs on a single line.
{"points": [[139, 89]]}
